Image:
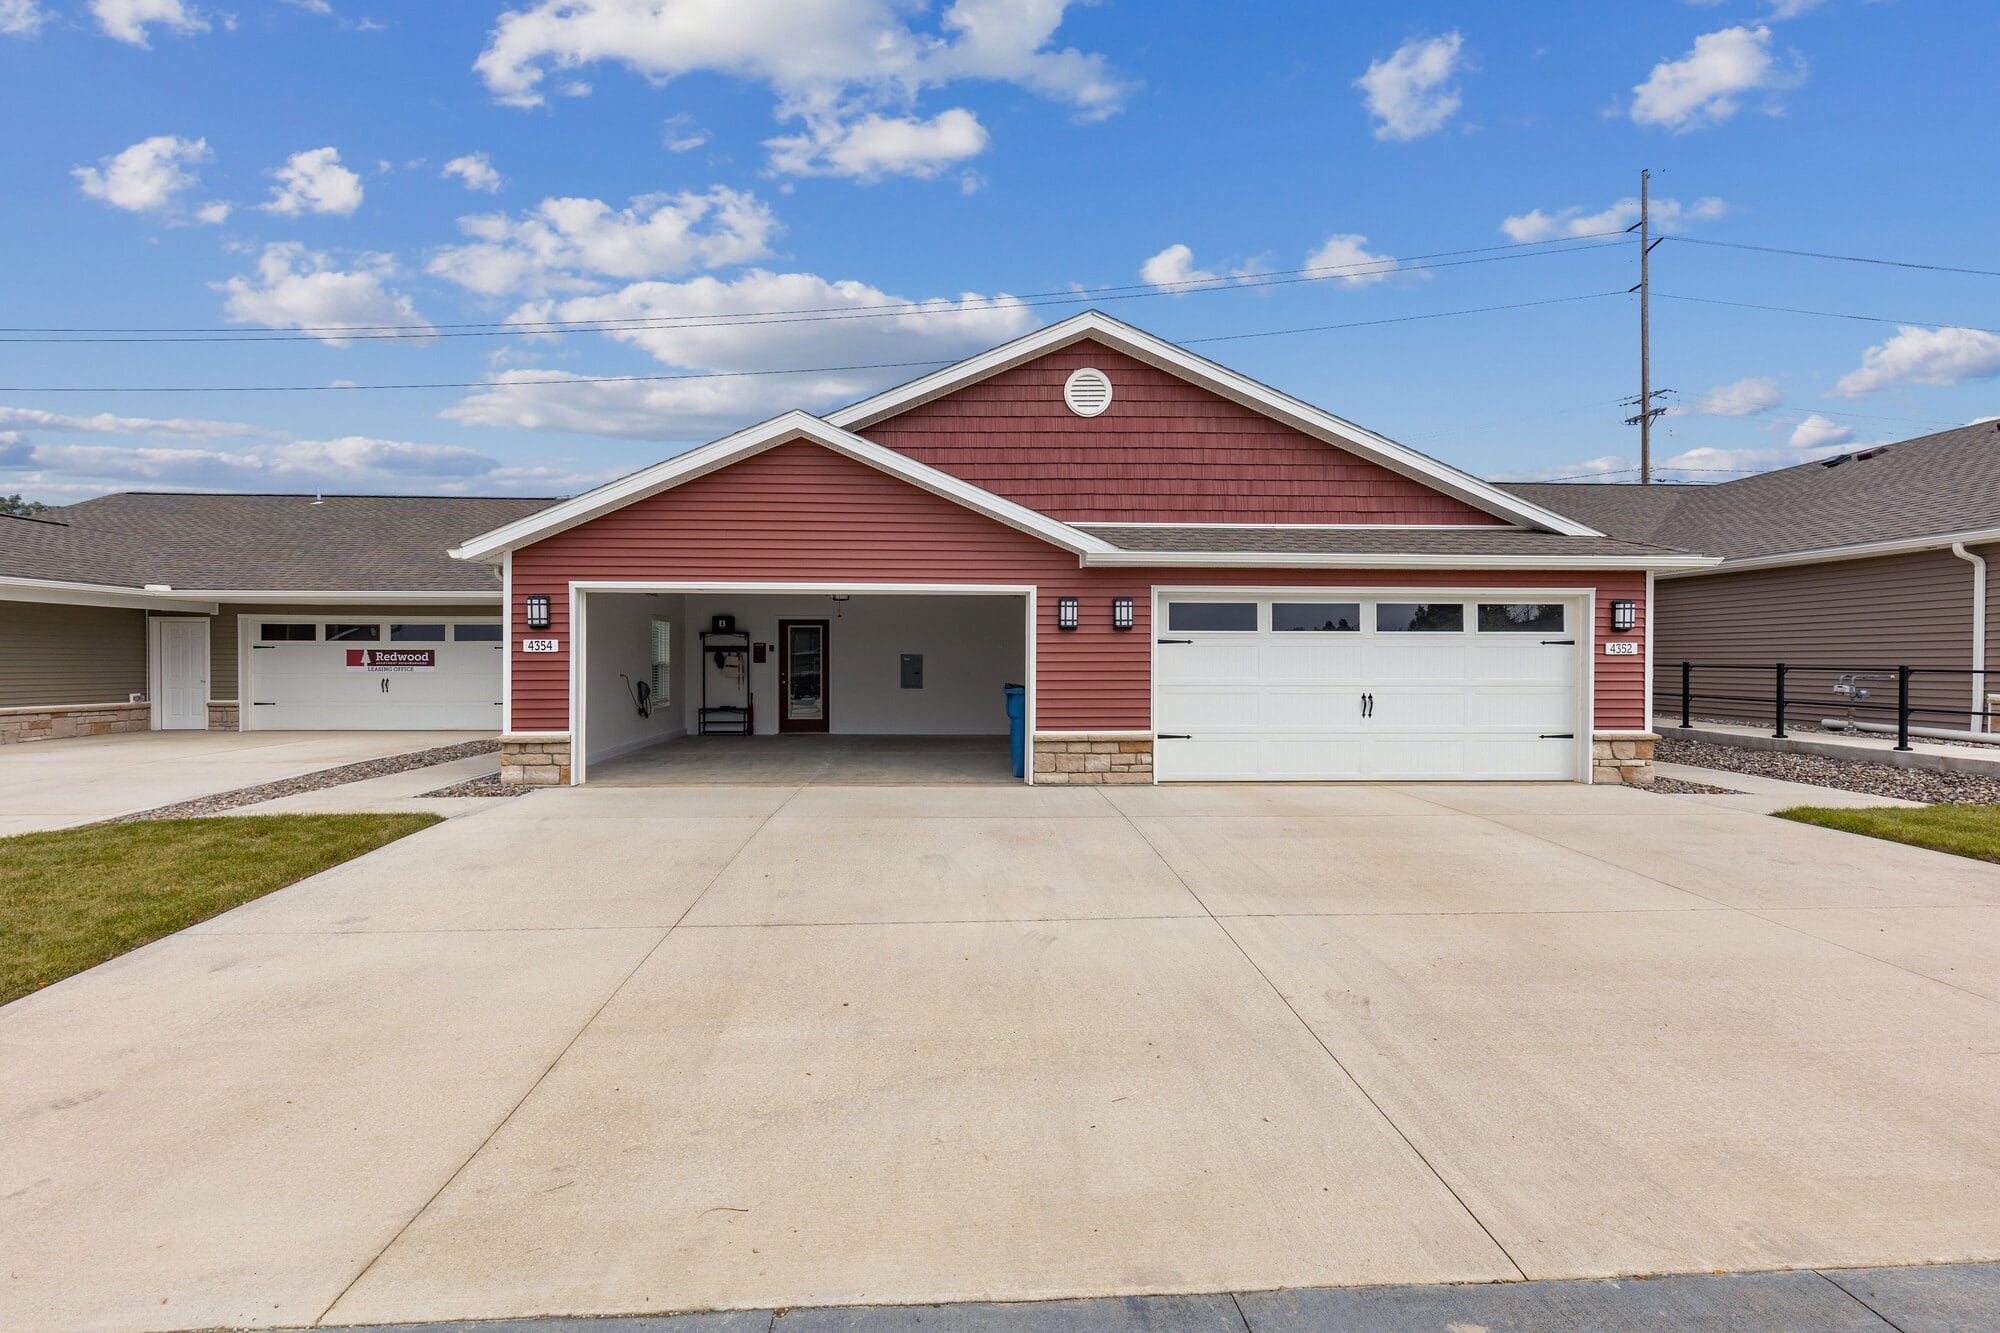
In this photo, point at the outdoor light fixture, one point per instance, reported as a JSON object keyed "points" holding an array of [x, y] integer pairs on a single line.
{"points": [[538, 612], [1624, 616], [1121, 613], [1069, 614]]}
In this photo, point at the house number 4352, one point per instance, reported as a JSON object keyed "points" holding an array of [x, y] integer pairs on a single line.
{"points": [[1621, 648]]}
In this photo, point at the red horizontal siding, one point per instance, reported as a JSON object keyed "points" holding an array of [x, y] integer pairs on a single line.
{"points": [[802, 514], [1166, 451]]}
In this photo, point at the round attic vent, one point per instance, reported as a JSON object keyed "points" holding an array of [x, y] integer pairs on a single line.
{"points": [[1087, 391]]}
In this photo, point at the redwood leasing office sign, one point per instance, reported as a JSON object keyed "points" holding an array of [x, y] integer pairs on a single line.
{"points": [[392, 659]]}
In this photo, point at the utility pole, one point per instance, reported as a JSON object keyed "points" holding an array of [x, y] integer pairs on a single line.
{"points": [[1644, 419]]}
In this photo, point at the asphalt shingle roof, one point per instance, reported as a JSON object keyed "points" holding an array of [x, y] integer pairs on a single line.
{"points": [[1935, 484], [343, 543]]}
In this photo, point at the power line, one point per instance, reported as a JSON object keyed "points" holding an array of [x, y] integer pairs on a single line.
{"points": [[807, 315], [1821, 254], [1824, 314], [739, 374]]}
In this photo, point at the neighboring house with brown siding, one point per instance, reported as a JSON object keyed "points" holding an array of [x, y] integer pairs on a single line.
{"points": [[1874, 560], [146, 611]]}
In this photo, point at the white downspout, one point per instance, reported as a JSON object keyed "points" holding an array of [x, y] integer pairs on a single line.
{"points": [[1979, 690]]}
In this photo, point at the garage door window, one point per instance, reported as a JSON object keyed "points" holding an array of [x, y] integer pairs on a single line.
{"points": [[1520, 618], [416, 634], [1419, 617], [475, 633], [1317, 617], [279, 632], [1212, 615], [353, 633]]}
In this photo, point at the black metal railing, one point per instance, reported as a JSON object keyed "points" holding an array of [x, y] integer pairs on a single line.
{"points": [[1853, 689]]}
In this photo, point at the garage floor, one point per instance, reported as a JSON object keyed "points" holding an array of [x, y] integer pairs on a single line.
{"points": [[802, 760], [602, 1051]]}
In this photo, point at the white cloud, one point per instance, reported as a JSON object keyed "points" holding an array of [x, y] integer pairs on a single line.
{"points": [[1816, 432], [127, 20], [1923, 356], [1740, 398], [104, 423], [148, 177], [314, 182], [1350, 253], [1710, 465], [1668, 215], [1608, 467], [1173, 267], [297, 288], [682, 135], [869, 147], [350, 463], [911, 331], [1791, 9], [564, 244], [1410, 93], [21, 18], [476, 170], [214, 213], [831, 63], [1706, 86]]}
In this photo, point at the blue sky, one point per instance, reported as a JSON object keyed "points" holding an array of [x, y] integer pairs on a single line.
{"points": [[481, 178]]}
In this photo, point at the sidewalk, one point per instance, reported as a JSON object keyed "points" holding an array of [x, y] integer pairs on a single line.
{"points": [[1865, 746], [1940, 1299], [393, 793], [1761, 796]]}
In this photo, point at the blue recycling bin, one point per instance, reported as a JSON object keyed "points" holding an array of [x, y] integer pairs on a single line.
{"points": [[1017, 727]]}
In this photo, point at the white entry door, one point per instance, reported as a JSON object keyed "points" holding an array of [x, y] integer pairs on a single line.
{"points": [[183, 699], [1297, 686]]}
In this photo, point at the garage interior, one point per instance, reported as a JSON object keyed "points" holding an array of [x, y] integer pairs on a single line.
{"points": [[858, 688]]}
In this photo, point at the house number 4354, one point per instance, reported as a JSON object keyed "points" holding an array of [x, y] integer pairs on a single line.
{"points": [[541, 645]]}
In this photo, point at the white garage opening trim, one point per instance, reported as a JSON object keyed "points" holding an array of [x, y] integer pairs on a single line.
{"points": [[1372, 684], [399, 671]]}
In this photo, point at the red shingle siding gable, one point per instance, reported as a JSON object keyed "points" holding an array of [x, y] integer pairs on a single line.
{"points": [[1166, 451]]}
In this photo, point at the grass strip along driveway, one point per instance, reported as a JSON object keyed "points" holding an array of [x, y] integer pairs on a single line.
{"points": [[71, 899], [1962, 830]]}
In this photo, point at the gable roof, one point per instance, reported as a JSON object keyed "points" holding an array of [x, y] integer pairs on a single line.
{"points": [[1220, 380], [259, 543], [756, 439], [1924, 491], [1379, 546]]}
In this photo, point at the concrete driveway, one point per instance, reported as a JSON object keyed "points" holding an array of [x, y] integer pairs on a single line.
{"points": [[59, 784], [603, 1051]]}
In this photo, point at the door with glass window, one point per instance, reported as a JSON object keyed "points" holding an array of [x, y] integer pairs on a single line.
{"points": [[802, 675]]}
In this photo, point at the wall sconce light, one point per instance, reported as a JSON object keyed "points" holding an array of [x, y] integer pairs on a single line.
{"points": [[1624, 617], [1069, 613], [538, 612], [1121, 613]]}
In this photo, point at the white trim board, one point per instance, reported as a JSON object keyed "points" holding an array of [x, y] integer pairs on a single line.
{"points": [[1468, 564], [755, 440], [1163, 355], [1859, 551]]}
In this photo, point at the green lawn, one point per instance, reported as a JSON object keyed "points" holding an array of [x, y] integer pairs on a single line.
{"points": [[73, 898], [1962, 830]]}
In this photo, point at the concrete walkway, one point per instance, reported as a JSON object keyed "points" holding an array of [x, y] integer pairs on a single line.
{"points": [[698, 1048], [1963, 1298], [1761, 796], [60, 784], [1868, 747], [805, 759]]}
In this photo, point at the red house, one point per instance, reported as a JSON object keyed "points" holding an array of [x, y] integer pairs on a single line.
{"points": [[1192, 576]]}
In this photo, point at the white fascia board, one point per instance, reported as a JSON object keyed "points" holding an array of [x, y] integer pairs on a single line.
{"points": [[1219, 379], [1860, 551], [1093, 525], [1332, 560], [767, 435], [59, 593], [270, 596]]}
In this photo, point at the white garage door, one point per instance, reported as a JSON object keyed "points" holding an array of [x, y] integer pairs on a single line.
{"points": [[356, 674], [1311, 687]]}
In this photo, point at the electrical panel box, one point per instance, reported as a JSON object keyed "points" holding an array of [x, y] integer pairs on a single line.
{"points": [[913, 671]]}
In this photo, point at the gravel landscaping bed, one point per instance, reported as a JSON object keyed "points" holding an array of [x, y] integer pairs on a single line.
{"points": [[325, 777], [1909, 784], [490, 785], [1681, 787]]}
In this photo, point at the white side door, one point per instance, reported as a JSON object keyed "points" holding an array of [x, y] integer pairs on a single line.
{"points": [[183, 704]]}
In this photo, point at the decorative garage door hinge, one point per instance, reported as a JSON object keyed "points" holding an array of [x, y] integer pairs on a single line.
{"points": [[1558, 735], [1173, 736], [1561, 643], [1176, 640]]}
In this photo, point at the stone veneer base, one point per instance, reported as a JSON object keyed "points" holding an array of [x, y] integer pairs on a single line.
{"points": [[224, 717], [534, 761], [1100, 761], [1624, 757], [63, 722]]}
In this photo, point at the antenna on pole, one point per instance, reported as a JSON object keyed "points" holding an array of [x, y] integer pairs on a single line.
{"points": [[1644, 419]]}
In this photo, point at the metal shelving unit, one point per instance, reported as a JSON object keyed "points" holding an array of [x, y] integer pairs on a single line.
{"points": [[719, 648]]}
